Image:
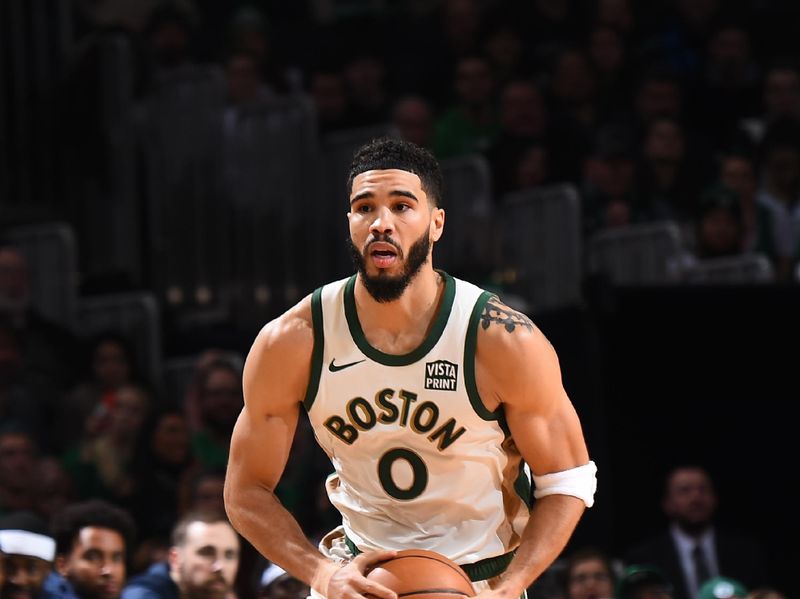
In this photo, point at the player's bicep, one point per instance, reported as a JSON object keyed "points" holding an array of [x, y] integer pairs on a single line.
{"points": [[551, 441], [260, 446], [523, 369], [275, 377]]}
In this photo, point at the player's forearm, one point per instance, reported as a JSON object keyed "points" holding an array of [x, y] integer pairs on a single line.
{"points": [[553, 520], [260, 517]]}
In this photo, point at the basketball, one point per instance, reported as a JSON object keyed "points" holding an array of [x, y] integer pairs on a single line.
{"points": [[422, 574]]}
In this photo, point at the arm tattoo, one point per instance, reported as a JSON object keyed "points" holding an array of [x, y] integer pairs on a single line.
{"points": [[495, 312]]}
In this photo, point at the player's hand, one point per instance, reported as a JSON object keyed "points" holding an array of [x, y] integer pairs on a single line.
{"points": [[350, 581]]}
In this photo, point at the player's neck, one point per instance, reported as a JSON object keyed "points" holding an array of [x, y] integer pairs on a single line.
{"points": [[413, 311]]}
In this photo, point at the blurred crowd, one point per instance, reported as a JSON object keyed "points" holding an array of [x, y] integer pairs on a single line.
{"points": [[676, 110]]}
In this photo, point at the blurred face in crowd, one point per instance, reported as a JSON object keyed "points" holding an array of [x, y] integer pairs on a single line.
{"points": [[24, 576], [532, 168], [658, 98], [11, 359], [208, 494], [738, 174], [690, 499], [205, 565], [606, 50], [96, 563], [664, 142], [111, 364], [572, 79], [729, 50], [474, 82], [782, 93], [15, 291], [590, 579], [522, 110], [720, 233], [52, 486], [170, 440], [129, 411], [615, 13], [241, 73], [505, 47], [17, 460], [221, 399], [330, 97], [413, 118], [783, 169]]}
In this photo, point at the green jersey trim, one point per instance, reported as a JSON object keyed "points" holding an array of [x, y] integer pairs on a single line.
{"points": [[480, 570], [470, 347], [319, 346], [391, 359]]}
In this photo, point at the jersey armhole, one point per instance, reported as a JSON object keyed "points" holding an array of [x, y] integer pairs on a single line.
{"points": [[319, 346], [470, 347]]}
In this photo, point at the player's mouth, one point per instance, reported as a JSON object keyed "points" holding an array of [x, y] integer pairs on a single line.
{"points": [[383, 255]]}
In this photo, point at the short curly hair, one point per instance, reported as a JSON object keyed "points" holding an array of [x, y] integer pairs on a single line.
{"points": [[68, 523], [393, 153]]}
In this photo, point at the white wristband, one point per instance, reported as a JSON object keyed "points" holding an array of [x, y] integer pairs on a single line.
{"points": [[580, 482]]}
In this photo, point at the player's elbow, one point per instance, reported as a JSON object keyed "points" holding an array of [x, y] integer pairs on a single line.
{"points": [[231, 495]]}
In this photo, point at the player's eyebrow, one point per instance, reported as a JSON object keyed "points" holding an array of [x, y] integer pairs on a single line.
{"points": [[395, 192]]}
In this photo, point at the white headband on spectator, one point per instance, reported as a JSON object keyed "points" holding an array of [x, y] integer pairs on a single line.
{"points": [[24, 542], [579, 482], [271, 573]]}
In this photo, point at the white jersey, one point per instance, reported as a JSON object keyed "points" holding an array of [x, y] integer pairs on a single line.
{"points": [[419, 460]]}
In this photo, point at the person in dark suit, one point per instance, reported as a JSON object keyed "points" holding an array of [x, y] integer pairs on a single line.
{"points": [[694, 548]]}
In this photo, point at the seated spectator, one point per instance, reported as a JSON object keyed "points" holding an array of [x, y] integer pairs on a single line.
{"points": [[49, 349], [721, 587], [101, 464], [18, 453], [694, 537], [777, 198], [28, 553], [162, 462], [737, 171], [276, 583], [24, 397], [607, 189], [643, 582], [93, 539], [719, 229], [470, 124], [588, 573], [202, 490], [220, 401], [766, 593], [53, 489], [203, 561], [110, 363], [413, 118], [250, 33]]}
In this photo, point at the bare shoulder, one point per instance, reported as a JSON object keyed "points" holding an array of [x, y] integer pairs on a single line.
{"points": [[514, 360], [279, 361], [504, 331], [293, 327]]}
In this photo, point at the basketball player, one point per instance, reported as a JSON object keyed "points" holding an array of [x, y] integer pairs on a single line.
{"points": [[431, 397]]}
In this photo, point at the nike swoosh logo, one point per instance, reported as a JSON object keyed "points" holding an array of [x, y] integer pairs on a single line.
{"points": [[336, 368]]}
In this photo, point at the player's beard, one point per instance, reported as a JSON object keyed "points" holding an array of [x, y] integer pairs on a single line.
{"points": [[384, 287]]}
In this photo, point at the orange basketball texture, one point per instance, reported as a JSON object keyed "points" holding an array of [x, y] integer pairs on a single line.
{"points": [[422, 574]]}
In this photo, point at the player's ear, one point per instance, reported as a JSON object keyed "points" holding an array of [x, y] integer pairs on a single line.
{"points": [[437, 223]]}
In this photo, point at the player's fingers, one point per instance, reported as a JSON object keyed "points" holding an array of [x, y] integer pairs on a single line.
{"points": [[365, 561], [373, 589]]}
